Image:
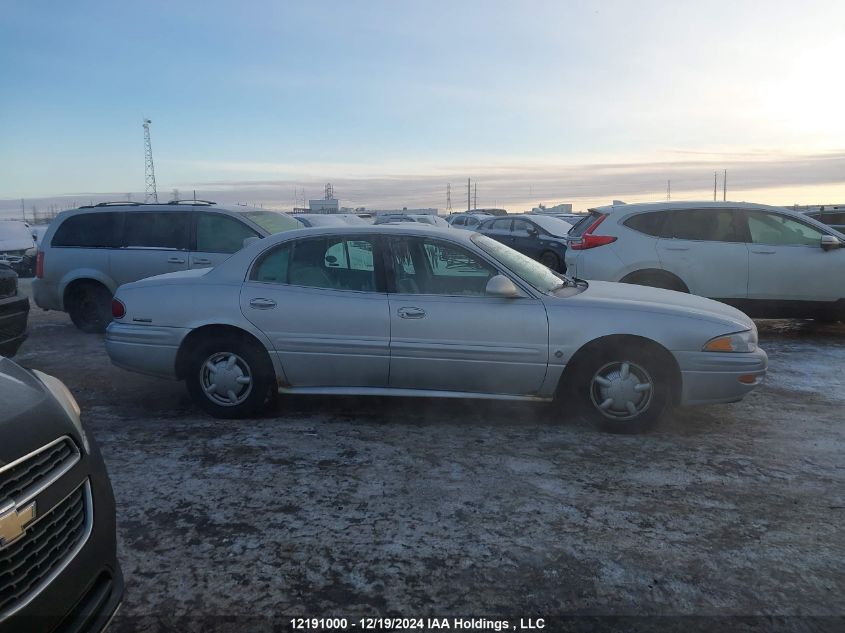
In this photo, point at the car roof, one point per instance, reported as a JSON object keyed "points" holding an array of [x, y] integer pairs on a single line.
{"points": [[680, 205]]}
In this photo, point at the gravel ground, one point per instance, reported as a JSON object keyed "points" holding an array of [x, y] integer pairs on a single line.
{"points": [[371, 507]]}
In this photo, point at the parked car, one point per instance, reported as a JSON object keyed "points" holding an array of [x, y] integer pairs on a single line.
{"points": [[17, 247], [58, 562], [769, 262], [414, 310], [88, 252], [328, 219], [540, 237], [422, 218], [833, 217], [14, 311], [470, 221], [571, 218]]}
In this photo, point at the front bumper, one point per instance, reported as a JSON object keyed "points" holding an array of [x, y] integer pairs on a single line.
{"points": [[14, 313], [145, 349], [716, 377]]}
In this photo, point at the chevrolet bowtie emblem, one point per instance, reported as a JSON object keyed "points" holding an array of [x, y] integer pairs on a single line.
{"points": [[13, 521]]}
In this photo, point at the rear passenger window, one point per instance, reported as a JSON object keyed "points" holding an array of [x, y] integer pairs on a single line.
{"points": [[218, 233], [273, 266], [88, 230], [648, 223], [586, 222], [156, 230], [710, 225]]}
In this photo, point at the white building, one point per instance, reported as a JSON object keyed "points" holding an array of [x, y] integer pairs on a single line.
{"points": [[563, 207], [323, 205]]}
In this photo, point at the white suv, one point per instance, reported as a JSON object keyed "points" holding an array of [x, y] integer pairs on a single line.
{"points": [[767, 261], [88, 252]]}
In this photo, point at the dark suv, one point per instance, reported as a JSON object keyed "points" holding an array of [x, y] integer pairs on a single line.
{"points": [[58, 561], [14, 311]]}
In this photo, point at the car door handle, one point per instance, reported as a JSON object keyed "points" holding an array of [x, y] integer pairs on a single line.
{"points": [[758, 252], [411, 313], [175, 260], [677, 248], [202, 261], [262, 304]]}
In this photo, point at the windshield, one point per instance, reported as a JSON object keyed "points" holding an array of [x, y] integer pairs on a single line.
{"points": [[273, 221], [555, 226], [528, 269]]}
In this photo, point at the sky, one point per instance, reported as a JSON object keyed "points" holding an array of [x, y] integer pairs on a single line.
{"points": [[537, 102]]}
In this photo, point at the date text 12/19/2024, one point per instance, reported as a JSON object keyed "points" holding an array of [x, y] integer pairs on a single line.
{"points": [[419, 624]]}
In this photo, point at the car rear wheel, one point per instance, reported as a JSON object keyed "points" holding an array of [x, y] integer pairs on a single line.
{"points": [[622, 390], [550, 260], [229, 377], [89, 306]]}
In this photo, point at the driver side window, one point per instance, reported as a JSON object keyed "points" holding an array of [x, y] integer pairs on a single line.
{"points": [[431, 267]]}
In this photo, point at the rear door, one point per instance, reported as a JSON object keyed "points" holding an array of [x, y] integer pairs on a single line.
{"points": [[447, 334], [321, 301], [216, 236], [152, 243], [706, 249], [525, 238]]}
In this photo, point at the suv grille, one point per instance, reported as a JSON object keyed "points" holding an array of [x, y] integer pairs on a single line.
{"points": [[28, 564], [8, 286], [37, 470]]}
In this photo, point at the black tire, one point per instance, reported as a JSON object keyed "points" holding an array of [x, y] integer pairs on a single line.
{"points": [[644, 367], [666, 282], [250, 360], [550, 260], [89, 306]]}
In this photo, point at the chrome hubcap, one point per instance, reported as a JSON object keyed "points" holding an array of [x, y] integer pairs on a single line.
{"points": [[621, 390], [226, 379]]}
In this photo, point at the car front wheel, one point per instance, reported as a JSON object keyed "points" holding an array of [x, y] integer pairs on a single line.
{"points": [[622, 390], [230, 377]]}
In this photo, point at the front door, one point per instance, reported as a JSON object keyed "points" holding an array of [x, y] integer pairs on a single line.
{"points": [[322, 303], [448, 335], [216, 237], [786, 261]]}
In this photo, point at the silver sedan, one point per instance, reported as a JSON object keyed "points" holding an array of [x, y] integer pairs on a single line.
{"points": [[411, 310]]}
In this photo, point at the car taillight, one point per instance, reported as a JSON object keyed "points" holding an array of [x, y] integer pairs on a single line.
{"points": [[118, 310], [588, 240], [39, 265]]}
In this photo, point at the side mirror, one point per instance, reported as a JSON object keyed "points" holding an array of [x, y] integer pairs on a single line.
{"points": [[501, 286], [829, 242], [250, 240]]}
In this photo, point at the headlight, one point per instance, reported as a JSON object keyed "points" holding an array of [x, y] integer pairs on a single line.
{"points": [[745, 341], [65, 398]]}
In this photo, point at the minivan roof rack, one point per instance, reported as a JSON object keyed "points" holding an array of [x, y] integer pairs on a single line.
{"points": [[206, 203], [113, 203]]}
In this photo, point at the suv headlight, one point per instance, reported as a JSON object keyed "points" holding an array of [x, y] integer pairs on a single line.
{"points": [[745, 341], [65, 398]]}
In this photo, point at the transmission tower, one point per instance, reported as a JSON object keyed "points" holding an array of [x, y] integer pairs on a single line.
{"points": [[449, 197], [150, 191], [329, 191]]}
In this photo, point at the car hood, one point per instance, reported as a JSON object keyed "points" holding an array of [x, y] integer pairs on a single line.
{"points": [[30, 417], [644, 298]]}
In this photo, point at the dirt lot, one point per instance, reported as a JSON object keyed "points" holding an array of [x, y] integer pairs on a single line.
{"points": [[355, 507]]}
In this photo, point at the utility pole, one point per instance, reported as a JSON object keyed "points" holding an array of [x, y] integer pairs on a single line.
{"points": [[668, 190], [23, 210], [150, 190], [715, 177], [725, 187], [469, 191], [475, 196], [448, 197]]}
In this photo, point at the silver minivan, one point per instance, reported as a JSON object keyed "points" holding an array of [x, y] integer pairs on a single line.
{"points": [[88, 252]]}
